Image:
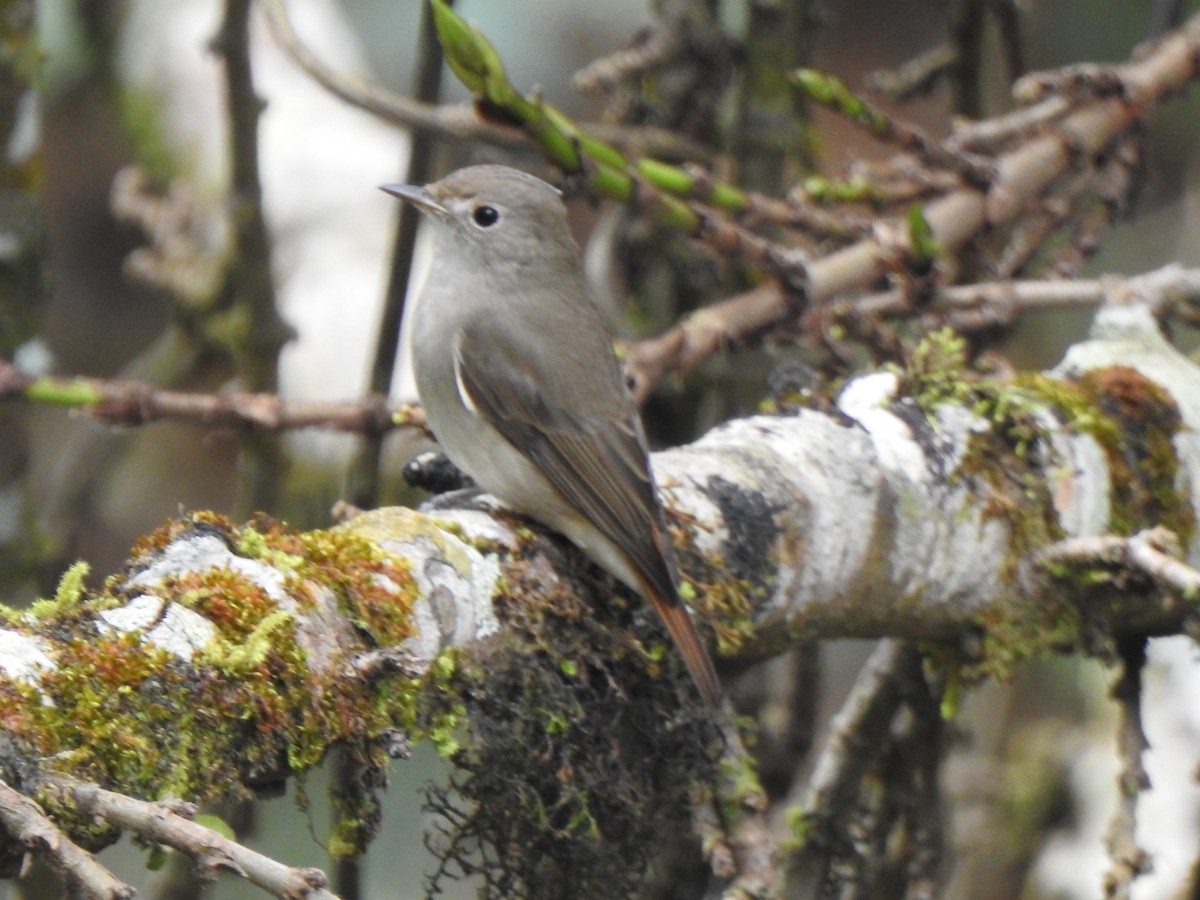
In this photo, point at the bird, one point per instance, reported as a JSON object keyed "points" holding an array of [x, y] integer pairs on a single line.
{"points": [[522, 388]]}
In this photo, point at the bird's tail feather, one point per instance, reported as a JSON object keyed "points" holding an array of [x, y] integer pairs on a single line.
{"points": [[686, 638]]}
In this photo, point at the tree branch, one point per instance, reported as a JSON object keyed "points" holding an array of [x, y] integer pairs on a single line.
{"points": [[258, 333], [1127, 859], [129, 403], [169, 823], [23, 821]]}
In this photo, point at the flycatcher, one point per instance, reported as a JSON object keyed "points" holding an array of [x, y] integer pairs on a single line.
{"points": [[523, 391]]}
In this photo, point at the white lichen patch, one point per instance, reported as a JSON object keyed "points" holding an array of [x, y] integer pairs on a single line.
{"points": [[942, 549], [1077, 473], [680, 477], [176, 629], [23, 657], [456, 582], [203, 553], [866, 400]]}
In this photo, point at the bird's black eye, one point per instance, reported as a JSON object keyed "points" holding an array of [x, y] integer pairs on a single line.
{"points": [[485, 216]]}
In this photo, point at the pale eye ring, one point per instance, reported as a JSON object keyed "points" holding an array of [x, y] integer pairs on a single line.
{"points": [[485, 216]]}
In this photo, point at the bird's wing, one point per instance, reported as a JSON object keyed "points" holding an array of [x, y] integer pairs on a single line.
{"points": [[592, 454], [589, 446]]}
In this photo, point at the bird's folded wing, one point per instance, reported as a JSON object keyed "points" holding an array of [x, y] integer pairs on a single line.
{"points": [[594, 458]]}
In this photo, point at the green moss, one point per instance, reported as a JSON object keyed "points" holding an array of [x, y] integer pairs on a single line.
{"points": [[122, 712], [141, 115], [718, 600], [937, 371], [801, 828], [1143, 459], [1130, 418], [577, 748], [243, 656], [436, 710], [742, 788], [67, 595], [111, 711]]}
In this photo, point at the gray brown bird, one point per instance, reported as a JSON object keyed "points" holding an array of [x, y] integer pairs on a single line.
{"points": [[523, 390]]}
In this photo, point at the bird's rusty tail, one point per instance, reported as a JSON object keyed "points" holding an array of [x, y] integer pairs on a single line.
{"points": [[687, 639]]}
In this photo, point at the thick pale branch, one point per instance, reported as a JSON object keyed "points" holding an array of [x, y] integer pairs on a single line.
{"points": [[884, 518], [918, 508]]}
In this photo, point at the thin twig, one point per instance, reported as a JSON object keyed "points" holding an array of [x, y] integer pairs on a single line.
{"points": [[24, 821], [978, 135], [656, 44], [730, 323], [968, 21], [1149, 552], [1013, 297], [1127, 859], [364, 475], [169, 823], [249, 279], [739, 320], [917, 76], [703, 333], [128, 403], [1008, 21], [747, 836], [857, 732]]}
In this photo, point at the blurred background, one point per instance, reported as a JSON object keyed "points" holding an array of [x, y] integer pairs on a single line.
{"points": [[133, 82]]}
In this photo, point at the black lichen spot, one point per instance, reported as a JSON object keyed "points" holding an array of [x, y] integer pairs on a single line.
{"points": [[750, 520], [935, 445], [211, 529]]}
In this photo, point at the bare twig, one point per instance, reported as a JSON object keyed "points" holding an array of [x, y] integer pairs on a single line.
{"points": [[977, 135], [1162, 290], [967, 28], [446, 121], [917, 76], [733, 322], [250, 279], [884, 725], [169, 823], [650, 48], [1005, 300], [82, 876], [856, 733], [747, 837], [921, 745], [1148, 552], [703, 333], [130, 403], [364, 475], [831, 92], [1022, 176], [1127, 859], [739, 320], [181, 258], [1008, 20], [250, 282]]}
